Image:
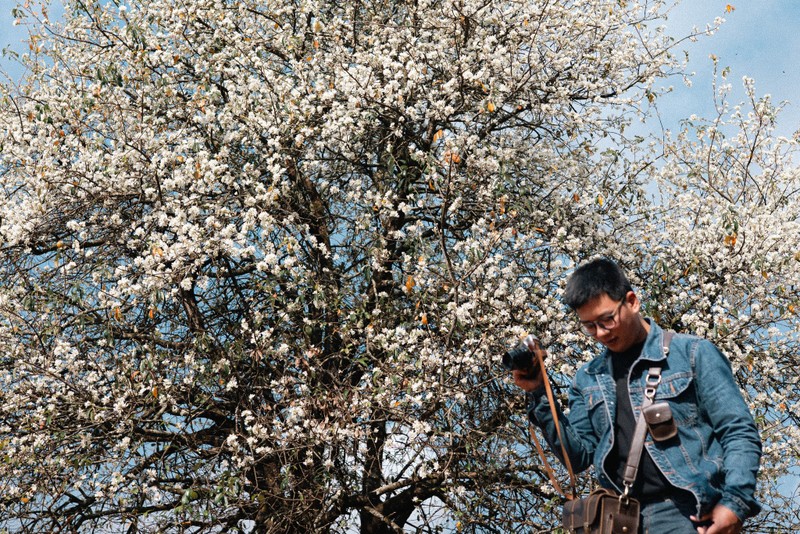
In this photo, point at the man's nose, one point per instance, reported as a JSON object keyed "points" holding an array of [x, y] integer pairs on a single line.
{"points": [[601, 331]]}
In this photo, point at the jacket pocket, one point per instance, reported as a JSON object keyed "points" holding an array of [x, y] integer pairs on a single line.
{"points": [[678, 390], [597, 408]]}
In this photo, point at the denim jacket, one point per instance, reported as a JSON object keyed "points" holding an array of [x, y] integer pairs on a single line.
{"points": [[717, 451]]}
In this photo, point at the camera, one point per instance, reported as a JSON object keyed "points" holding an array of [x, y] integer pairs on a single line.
{"points": [[521, 357]]}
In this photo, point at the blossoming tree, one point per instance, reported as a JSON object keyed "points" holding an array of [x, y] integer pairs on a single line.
{"points": [[259, 258]]}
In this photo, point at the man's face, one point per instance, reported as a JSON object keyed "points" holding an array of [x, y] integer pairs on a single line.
{"points": [[615, 324]]}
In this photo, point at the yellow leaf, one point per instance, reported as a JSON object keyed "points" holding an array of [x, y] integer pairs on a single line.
{"points": [[451, 157], [600, 200], [729, 8], [117, 313], [151, 313], [730, 240], [490, 107], [438, 135], [24, 500], [155, 391], [425, 319], [410, 283]]}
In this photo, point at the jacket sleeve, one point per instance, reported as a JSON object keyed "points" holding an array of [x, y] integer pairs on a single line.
{"points": [[576, 429], [720, 400]]}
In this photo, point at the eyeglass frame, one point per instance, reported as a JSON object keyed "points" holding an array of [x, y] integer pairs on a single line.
{"points": [[590, 327]]}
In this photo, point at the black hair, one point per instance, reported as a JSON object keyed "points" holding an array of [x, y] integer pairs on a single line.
{"points": [[593, 279]]}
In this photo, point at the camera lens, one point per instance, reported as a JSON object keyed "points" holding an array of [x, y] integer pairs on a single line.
{"points": [[518, 358]]}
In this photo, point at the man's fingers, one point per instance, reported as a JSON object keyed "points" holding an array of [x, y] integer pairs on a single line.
{"points": [[701, 529], [527, 380]]}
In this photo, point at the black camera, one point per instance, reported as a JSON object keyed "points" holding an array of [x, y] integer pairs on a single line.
{"points": [[521, 357]]}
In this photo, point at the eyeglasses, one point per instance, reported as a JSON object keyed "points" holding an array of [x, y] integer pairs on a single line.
{"points": [[606, 323]]}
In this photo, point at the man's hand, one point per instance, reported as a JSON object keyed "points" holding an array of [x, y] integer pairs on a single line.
{"points": [[723, 521], [532, 379]]}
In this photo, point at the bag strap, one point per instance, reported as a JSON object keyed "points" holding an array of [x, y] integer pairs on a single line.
{"points": [[637, 443]]}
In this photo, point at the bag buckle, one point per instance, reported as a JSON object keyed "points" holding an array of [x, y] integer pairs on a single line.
{"points": [[651, 385], [624, 499]]}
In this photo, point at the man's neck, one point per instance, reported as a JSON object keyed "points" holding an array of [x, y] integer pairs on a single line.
{"points": [[644, 330]]}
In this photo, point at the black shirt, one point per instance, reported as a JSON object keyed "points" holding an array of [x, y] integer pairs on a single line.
{"points": [[650, 483]]}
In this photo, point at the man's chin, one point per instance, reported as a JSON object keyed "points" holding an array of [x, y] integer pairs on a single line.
{"points": [[611, 344]]}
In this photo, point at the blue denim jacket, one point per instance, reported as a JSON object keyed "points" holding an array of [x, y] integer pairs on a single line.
{"points": [[717, 450]]}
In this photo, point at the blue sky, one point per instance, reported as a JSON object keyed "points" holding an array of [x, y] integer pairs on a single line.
{"points": [[759, 39]]}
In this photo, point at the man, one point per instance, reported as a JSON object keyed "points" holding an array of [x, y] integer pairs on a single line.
{"points": [[702, 480]]}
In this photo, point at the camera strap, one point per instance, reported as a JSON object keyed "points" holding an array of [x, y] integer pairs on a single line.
{"points": [[550, 473]]}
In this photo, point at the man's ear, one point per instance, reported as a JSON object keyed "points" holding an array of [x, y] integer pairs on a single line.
{"points": [[633, 301]]}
